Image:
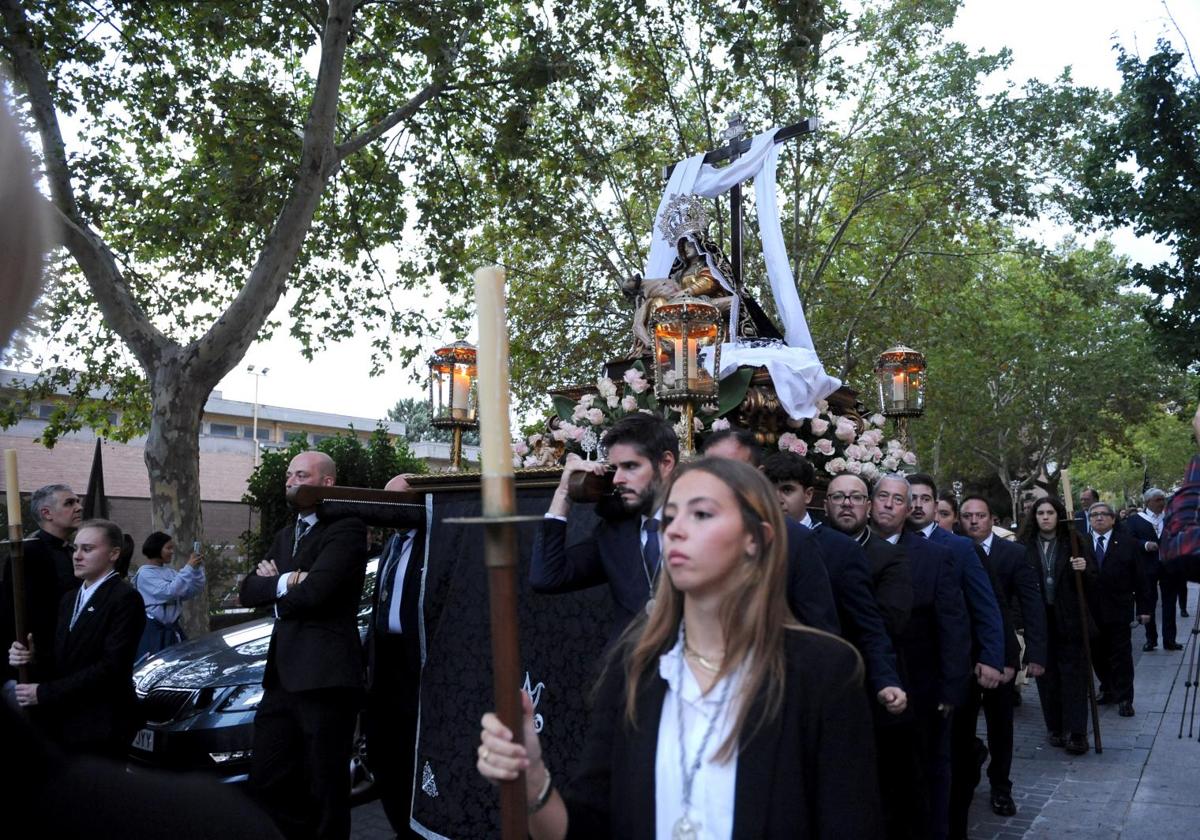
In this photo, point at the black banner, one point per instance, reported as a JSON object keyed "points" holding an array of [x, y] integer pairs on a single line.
{"points": [[562, 641]]}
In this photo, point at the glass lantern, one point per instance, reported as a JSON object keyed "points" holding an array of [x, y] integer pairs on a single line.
{"points": [[685, 328], [900, 375], [452, 393]]}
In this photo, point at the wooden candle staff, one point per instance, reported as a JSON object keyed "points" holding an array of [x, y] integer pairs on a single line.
{"points": [[16, 548]]}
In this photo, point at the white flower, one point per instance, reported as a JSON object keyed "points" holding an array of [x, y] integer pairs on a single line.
{"points": [[606, 387], [909, 458], [579, 412], [629, 403], [533, 461], [819, 426], [521, 448], [854, 467], [877, 420], [516, 462], [856, 452], [822, 405], [890, 463], [824, 446], [720, 424], [669, 378], [894, 445], [870, 472], [836, 466], [586, 400], [613, 401], [595, 416]]}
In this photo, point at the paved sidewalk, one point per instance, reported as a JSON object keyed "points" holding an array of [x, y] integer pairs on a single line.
{"points": [[1144, 786], [1146, 783]]}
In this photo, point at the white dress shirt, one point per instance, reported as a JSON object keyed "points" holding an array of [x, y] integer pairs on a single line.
{"points": [[397, 593], [986, 545], [85, 594], [713, 787]]}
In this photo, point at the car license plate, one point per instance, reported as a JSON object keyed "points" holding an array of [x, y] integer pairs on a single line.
{"points": [[144, 740]]}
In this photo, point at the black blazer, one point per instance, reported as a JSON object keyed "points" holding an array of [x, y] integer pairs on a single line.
{"points": [[49, 574], [862, 625], [409, 640], [1142, 532], [937, 640], [612, 554], [89, 703], [315, 642], [891, 583], [1121, 583], [1017, 589], [1066, 597], [807, 773]]}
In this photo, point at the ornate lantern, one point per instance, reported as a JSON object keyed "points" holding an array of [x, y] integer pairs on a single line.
{"points": [[452, 395], [684, 329], [900, 374]]}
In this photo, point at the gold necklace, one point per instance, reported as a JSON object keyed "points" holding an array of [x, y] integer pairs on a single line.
{"points": [[702, 661]]}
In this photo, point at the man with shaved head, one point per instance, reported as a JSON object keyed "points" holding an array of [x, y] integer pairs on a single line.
{"points": [[304, 727]]}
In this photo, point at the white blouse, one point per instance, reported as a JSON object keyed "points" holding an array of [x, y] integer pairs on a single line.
{"points": [[714, 784]]}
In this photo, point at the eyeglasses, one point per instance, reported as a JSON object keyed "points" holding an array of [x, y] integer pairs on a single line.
{"points": [[1100, 514], [853, 498]]}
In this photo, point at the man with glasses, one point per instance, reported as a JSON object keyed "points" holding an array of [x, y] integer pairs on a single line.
{"points": [[935, 647], [1121, 585], [846, 504], [1012, 580]]}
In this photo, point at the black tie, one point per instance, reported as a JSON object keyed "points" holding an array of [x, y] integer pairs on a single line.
{"points": [[1100, 550], [302, 526], [650, 550]]}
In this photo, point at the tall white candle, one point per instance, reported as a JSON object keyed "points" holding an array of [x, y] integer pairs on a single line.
{"points": [[12, 487], [492, 378], [898, 387], [459, 384]]}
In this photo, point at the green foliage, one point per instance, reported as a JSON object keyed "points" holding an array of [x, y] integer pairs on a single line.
{"points": [[358, 465], [1156, 127]]}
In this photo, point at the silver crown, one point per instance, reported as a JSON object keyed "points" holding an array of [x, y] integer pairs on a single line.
{"points": [[684, 214]]}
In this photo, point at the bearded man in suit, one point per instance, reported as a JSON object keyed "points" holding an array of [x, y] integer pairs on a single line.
{"points": [[303, 729]]}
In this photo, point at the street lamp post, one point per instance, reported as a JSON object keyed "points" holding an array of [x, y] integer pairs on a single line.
{"points": [[257, 374]]}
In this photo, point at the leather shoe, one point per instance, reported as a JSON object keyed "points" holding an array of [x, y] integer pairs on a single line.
{"points": [[1003, 805], [1056, 739], [1149, 646], [1077, 744], [1184, 614], [1172, 646], [1125, 709]]}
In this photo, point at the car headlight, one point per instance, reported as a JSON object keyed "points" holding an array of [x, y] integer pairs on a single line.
{"points": [[244, 698]]}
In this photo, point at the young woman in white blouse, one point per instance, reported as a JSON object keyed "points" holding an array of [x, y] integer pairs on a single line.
{"points": [[718, 715]]}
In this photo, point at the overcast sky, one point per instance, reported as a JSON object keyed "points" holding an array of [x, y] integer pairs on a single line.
{"points": [[1044, 36]]}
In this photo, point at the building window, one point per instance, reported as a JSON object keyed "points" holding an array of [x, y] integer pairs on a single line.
{"points": [[264, 432], [45, 410], [291, 436], [318, 438], [222, 430]]}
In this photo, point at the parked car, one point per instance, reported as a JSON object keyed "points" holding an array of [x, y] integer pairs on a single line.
{"points": [[198, 701]]}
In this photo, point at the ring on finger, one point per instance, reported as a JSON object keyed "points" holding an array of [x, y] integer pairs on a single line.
{"points": [[484, 755]]}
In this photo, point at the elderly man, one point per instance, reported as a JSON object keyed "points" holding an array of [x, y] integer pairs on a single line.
{"points": [[1146, 530], [49, 570], [303, 730], [935, 647], [1121, 587]]}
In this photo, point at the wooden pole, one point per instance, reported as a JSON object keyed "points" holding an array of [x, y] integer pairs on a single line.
{"points": [[16, 549], [1077, 551], [500, 543]]}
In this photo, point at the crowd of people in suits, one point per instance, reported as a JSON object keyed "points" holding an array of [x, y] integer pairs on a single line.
{"points": [[947, 611]]}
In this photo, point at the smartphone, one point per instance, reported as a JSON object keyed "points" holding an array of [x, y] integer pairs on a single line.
{"points": [[196, 546]]}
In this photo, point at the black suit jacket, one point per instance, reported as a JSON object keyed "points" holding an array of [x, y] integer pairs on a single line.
{"points": [[1067, 621], [408, 641], [89, 703], [1017, 589], [796, 775], [861, 623], [612, 554], [1121, 584], [315, 642], [891, 583], [49, 574], [1142, 532], [937, 640]]}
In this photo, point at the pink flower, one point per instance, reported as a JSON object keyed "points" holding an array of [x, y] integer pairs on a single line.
{"points": [[595, 416], [877, 420], [894, 445], [579, 412], [856, 452], [786, 439], [854, 467], [824, 446], [635, 380], [799, 446], [836, 466], [909, 458], [720, 424], [629, 403], [890, 463], [521, 448], [586, 400], [819, 426], [845, 430], [870, 472]]}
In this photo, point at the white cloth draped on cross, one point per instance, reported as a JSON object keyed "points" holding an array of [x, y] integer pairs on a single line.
{"points": [[799, 377]]}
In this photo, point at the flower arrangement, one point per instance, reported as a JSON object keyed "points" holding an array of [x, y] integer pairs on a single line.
{"points": [[835, 445]]}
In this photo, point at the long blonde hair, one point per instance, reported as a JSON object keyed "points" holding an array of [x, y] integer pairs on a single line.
{"points": [[754, 616]]}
